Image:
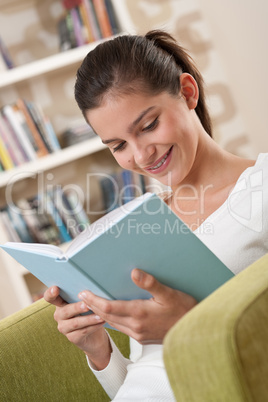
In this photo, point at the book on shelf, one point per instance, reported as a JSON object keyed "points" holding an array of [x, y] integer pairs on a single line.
{"points": [[40, 226], [76, 133], [17, 222], [103, 18], [76, 210], [9, 143], [22, 131], [40, 146], [5, 157], [10, 138], [6, 60], [92, 19], [66, 33], [9, 229], [3, 66], [58, 200], [26, 134], [115, 26], [76, 31], [52, 210], [65, 41], [129, 188], [52, 217], [50, 134], [109, 193], [41, 123], [78, 26], [143, 233], [71, 212], [86, 21], [120, 187]]}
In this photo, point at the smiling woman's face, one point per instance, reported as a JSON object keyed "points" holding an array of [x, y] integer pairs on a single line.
{"points": [[152, 135]]}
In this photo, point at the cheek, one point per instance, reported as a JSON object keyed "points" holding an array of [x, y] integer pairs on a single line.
{"points": [[172, 129], [122, 160]]}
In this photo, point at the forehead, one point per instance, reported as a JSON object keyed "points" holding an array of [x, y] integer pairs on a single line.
{"points": [[119, 112]]}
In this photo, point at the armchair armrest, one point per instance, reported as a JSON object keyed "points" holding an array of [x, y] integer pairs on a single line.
{"points": [[37, 363], [219, 350]]}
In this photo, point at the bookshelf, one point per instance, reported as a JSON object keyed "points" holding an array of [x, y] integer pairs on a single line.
{"points": [[37, 79], [52, 161], [46, 66]]}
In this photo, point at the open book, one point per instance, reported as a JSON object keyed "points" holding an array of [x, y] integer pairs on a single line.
{"points": [[143, 233]]}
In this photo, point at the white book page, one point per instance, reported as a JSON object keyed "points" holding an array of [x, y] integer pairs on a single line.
{"points": [[38, 248]]}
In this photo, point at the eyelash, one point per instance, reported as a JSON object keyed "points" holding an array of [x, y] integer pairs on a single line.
{"points": [[150, 127], [119, 147]]}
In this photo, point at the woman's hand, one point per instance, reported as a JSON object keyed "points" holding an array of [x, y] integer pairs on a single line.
{"points": [[147, 321], [85, 331]]}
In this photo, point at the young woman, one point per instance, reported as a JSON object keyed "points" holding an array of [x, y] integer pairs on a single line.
{"points": [[144, 97]]}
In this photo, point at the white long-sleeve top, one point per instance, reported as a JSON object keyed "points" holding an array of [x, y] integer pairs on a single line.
{"points": [[237, 233], [142, 377]]}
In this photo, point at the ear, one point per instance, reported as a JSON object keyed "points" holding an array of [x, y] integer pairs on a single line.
{"points": [[189, 89]]}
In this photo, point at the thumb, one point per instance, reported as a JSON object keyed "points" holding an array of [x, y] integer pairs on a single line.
{"points": [[148, 282]]}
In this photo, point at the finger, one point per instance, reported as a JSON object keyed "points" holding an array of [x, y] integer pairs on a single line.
{"points": [[148, 282], [106, 308], [126, 316], [117, 313], [52, 296], [81, 322], [68, 311], [133, 328], [122, 328]]}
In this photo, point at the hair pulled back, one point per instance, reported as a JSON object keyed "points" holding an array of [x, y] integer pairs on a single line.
{"points": [[131, 64]]}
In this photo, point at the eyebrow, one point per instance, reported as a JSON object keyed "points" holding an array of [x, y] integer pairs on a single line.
{"points": [[132, 125]]}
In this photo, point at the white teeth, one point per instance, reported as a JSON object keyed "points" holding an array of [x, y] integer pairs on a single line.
{"points": [[159, 164]]}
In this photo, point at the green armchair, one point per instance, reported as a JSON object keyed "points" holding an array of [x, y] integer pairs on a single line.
{"points": [[217, 352]]}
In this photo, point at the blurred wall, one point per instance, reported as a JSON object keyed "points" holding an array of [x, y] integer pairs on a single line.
{"points": [[227, 39], [240, 32]]}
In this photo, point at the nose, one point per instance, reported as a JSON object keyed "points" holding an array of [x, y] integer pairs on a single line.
{"points": [[144, 154]]}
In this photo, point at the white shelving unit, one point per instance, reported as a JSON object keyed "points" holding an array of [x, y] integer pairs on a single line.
{"points": [[47, 65], [51, 161], [15, 281]]}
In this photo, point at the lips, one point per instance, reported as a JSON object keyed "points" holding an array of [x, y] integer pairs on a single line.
{"points": [[161, 163]]}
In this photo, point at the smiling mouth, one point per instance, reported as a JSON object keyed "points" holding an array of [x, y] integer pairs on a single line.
{"points": [[161, 162]]}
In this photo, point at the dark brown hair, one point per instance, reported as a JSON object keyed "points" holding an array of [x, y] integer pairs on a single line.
{"points": [[133, 63]]}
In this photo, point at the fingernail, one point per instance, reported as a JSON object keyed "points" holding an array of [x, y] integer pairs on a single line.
{"points": [[97, 317], [138, 275], [83, 306], [82, 296]]}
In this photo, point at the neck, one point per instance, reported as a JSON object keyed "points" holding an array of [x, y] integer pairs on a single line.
{"points": [[213, 168], [208, 184]]}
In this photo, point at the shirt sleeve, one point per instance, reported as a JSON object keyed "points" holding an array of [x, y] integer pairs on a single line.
{"points": [[112, 377]]}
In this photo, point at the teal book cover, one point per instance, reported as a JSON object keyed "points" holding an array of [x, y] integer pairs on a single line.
{"points": [[143, 233]]}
